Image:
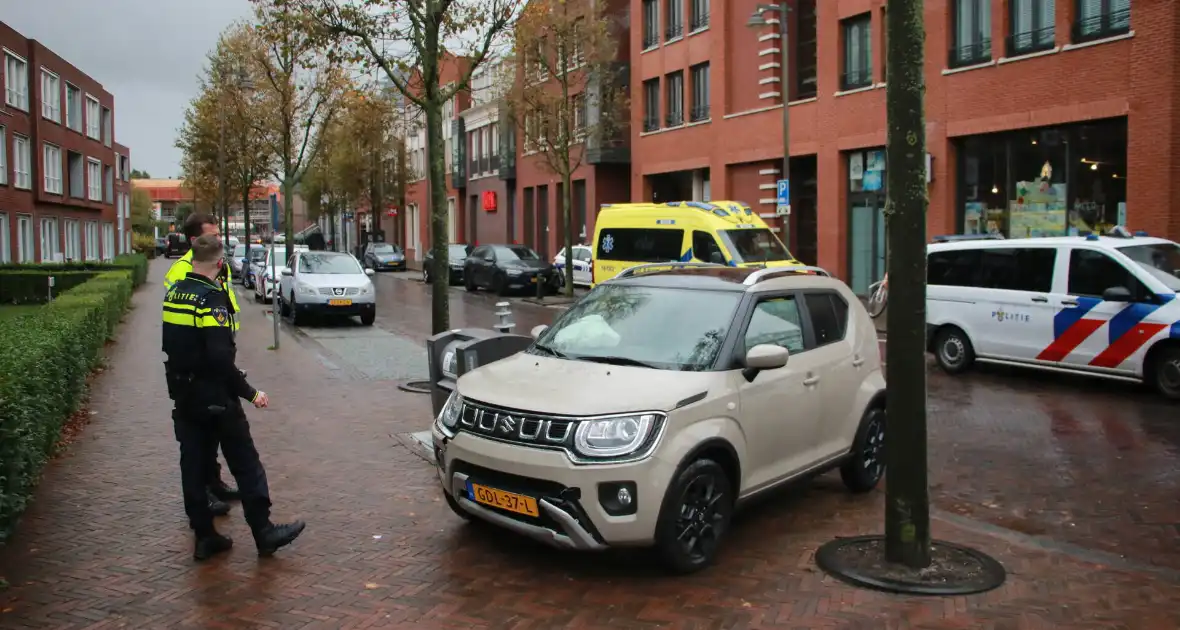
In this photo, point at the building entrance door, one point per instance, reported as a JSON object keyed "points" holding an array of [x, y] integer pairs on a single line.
{"points": [[866, 240]]}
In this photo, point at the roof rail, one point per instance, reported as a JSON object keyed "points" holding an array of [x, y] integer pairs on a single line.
{"points": [[630, 271], [954, 238], [767, 273]]}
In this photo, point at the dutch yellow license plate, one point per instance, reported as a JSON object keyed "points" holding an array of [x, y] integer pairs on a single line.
{"points": [[533, 280], [339, 302], [505, 500]]}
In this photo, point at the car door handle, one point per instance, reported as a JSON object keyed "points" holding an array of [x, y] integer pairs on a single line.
{"points": [[1069, 302], [1040, 299], [857, 362], [811, 381]]}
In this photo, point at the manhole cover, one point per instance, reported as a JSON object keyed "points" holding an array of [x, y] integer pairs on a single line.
{"points": [[415, 387]]}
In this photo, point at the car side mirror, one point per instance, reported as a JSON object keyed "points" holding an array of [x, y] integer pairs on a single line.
{"points": [[286, 271], [537, 331], [1117, 294], [369, 271], [764, 356]]}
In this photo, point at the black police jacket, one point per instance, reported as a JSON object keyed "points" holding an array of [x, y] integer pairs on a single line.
{"points": [[199, 344]]}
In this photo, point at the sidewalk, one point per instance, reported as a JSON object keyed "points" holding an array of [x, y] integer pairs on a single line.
{"points": [[105, 543]]}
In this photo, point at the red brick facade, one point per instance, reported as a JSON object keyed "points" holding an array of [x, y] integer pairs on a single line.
{"points": [[1135, 75], [68, 211]]}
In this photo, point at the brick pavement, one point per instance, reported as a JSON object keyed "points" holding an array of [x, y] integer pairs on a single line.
{"points": [[105, 544]]}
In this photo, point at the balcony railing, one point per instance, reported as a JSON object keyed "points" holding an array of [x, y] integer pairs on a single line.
{"points": [[1029, 42], [650, 38], [674, 119], [674, 29], [857, 78], [651, 124], [699, 20], [970, 54], [1101, 26], [699, 113]]}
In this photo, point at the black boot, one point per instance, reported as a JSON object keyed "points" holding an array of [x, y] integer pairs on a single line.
{"points": [[211, 545], [224, 491], [271, 537], [217, 506]]}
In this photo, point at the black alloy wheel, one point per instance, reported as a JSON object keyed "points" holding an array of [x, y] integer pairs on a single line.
{"points": [[696, 517], [863, 471]]}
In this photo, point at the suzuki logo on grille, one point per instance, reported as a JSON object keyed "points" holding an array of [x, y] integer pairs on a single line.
{"points": [[338, 291], [515, 428], [507, 424]]}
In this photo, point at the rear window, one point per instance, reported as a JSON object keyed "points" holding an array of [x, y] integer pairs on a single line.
{"points": [[640, 244]]}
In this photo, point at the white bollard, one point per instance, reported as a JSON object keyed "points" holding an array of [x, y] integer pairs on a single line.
{"points": [[504, 322]]}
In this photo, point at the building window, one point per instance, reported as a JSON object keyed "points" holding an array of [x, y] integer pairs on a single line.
{"points": [[651, 23], [806, 48], [108, 184], [700, 92], [73, 108], [3, 156], [107, 131], [1032, 26], [700, 15], [5, 247], [1101, 18], [577, 53], [674, 83], [52, 159], [76, 174], [16, 82], [972, 20], [92, 240], [22, 162], [108, 241], [94, 179], [651, 104], [540, 57], [73, 241], [50, 240], [93, 118], [50, 96], [675, 20], [24, 238], [858, 53], [579, 107]]}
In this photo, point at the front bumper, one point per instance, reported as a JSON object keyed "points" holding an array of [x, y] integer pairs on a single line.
{"points": [[341, 310], [391, 265], [570, 498], [530, 279]]}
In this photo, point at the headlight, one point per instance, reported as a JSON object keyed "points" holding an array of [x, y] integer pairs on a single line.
{"points": [[613, 437], [450, 363], [306, 289], [451, 411], [367, 289]]}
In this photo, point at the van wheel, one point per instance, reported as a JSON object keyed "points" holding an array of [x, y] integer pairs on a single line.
{"points": [[863, 471], [1165, 372], [695, 517], [953, 350]]}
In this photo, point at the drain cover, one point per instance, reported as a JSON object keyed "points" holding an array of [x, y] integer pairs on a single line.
{"points": [[415, 387]]}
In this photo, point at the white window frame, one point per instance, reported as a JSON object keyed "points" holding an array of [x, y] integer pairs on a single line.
{"points": [[50, 239], [3, 156], [53, 176], [25, 248], [90, 243], [16, 82], [93, 119], [5, 245], [93, 179], [73, 240], [108, 241], [76, 125], [22, 159], [50, 95]]}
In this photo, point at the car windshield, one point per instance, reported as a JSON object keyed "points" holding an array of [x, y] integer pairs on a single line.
{"points": [[515, 252], [386, 248], [457, 252], [754, 245], [324, 262], [239, 251], [1161, 260], [257, 254], [629, 325]]}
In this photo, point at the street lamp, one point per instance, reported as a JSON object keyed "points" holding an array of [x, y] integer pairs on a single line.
{"points": [[238, 80], [758, 20]]}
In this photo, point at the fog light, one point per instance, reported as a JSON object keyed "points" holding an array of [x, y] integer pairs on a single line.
{"points": [[624, 497]]}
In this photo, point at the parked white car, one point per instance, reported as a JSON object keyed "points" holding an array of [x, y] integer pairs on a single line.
{"points": [[265, 283], [583, 265], [329, 284]]}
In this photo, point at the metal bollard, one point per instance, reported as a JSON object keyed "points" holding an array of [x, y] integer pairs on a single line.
{"points": [[504, 316]]}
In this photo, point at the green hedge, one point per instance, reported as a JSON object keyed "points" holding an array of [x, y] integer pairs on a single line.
{"points": [[44, 363], [31, 286], [136, 263]]}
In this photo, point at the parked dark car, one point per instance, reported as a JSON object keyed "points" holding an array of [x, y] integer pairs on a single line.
{"points": [[505, 268], [384, 257], [456, 254], [178, 245], [161, 246]]}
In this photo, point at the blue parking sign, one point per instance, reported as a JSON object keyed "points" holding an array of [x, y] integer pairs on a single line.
{"points": [[784, 192]]}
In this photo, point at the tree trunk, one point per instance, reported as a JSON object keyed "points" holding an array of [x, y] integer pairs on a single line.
{"points": [[907, 497], [567, 196], [246, 219], [288, 228], [332, 227], [440, 311]]}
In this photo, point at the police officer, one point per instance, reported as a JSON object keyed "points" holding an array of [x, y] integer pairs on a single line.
{"points": [[196, 225], [207, 387]]}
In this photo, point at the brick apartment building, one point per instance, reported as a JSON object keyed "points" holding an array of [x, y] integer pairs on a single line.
{"points": [[170, 194], [1044, 117], [63, 179]]}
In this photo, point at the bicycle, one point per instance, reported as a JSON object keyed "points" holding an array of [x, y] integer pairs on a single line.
{"points": [[878, 297]]}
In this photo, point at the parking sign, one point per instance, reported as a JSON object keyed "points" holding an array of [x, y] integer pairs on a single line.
{"points": [[783, 198]]}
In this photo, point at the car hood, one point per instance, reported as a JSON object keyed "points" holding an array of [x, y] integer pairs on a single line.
{"points": [[528, 264], [334, 279], [548, 385]]}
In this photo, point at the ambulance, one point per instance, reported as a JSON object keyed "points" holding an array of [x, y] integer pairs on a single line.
{"points": [[721, 232], [1099, 305]]}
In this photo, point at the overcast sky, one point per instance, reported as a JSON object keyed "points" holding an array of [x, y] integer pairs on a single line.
{"points": [[147, 53]]}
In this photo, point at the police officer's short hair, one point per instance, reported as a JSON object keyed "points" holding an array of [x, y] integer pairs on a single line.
{"points": [[207, 249], [195, 224]]}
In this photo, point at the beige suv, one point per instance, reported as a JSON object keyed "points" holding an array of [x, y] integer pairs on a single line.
{"points": [[661, 401]]}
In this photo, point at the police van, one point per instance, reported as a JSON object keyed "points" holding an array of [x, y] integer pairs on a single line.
{"points": [[1100, 305]]}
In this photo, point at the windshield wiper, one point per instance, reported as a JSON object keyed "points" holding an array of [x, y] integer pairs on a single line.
{"points": [[616, 360], [544, 348]]}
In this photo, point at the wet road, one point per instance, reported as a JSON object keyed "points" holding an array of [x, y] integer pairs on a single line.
{"points": [[1075, 460]]}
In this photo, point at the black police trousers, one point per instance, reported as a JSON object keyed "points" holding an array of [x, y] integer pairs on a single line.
{"points": [[199, 435]]}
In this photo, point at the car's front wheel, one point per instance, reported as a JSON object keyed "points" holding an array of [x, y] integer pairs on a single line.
{"points": [[368, 317], [695, 516], [863, 471], [425, 275], [953, 350], [469, 283], [1165, 372]]}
